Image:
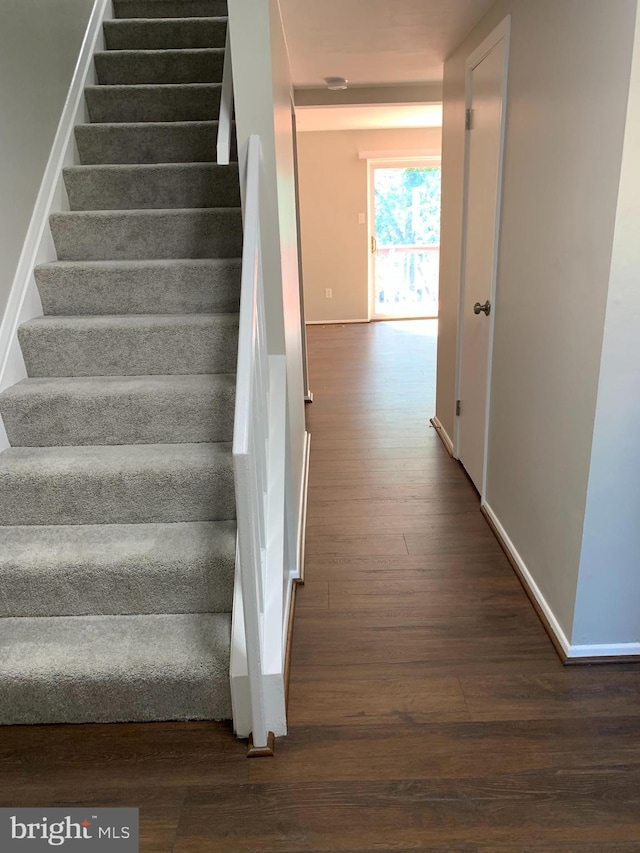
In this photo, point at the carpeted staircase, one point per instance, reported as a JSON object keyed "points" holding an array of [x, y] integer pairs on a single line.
{"points": [[117, 543]]}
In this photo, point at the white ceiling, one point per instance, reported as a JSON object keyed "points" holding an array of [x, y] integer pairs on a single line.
{"points": [[371, 117], [375, 41]]}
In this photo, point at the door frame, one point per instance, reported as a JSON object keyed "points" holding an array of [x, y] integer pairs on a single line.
{"points": [[390, 162], [501, 32]]}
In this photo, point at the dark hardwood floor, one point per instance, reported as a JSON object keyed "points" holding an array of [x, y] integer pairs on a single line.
{"points": [[428, 708]]}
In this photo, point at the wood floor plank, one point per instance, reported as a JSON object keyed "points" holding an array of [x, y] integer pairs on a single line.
{"points": [[375, 701], [454, 750], [407, 567], [127, 756], [475, 542], [372, 545], [518, 697], [440, 524], [398, 816], [382, 509], [431, 598], [313, 595], [160, 807]]}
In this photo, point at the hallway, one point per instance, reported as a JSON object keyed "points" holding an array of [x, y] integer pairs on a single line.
{"points": [[428, 709]]}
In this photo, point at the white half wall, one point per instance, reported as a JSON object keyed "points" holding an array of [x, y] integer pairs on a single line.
{"points": [[568, 88], [39, 46], [608, 603], [263, 95]]}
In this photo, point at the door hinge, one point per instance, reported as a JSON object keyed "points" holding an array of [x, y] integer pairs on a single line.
{"points": [[458, 408], [468, 122]]}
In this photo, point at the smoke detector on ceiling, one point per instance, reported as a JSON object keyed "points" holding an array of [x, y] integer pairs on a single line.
{"points": [[336, 83]]}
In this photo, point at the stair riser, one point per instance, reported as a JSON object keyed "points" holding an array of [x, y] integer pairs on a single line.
{"points": [[209, 347], [139, 67], [164, 34], [169, 8], [154, 235], [197, 102], [194, 142], [143, 417], [137, 188], [93, 494], [170, 289], [107, 581]]}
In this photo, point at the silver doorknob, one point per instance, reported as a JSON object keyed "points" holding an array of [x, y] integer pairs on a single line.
{"points": [[480, 309]]}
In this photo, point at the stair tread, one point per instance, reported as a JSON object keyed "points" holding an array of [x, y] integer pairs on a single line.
{"points": [[150, 167], [94, 386], [145, 212], [168, 87], [113, 543], [125, 264], [160, 51], [172, 20], [115, 668], [133, 457], [147, 125], [77, 321]]}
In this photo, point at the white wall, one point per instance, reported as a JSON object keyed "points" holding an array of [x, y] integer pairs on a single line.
{"points": [[568, 85], [263, 91], [39, 46], [333, 191], [608, 603]]}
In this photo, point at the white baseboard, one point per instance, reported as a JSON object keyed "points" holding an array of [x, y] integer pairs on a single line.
{"points": [[605, 650], [527, 578], [573, 653], [24, 301], [444, 435]]}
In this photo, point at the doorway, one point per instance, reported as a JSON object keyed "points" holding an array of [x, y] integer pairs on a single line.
{"points": [[485, 97], [404, 243]]}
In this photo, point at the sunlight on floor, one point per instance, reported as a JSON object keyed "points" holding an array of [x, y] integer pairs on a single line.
{"points": [[427, 328]]}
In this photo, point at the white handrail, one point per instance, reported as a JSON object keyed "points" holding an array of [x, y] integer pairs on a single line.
{"points": [[259, 473], [225, 119]]}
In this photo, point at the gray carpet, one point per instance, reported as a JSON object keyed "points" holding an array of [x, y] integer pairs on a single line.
{"points": [[117, 530]]}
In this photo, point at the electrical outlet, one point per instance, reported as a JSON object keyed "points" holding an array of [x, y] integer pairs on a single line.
{"points": [[328, 293]]}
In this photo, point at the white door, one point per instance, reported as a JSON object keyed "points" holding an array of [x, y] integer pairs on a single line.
{"points": [[485, 88]]}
